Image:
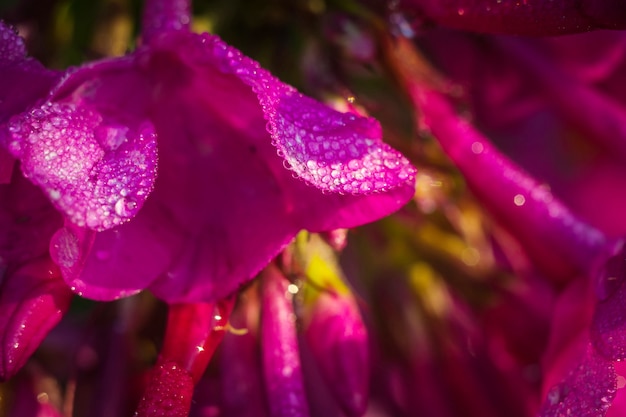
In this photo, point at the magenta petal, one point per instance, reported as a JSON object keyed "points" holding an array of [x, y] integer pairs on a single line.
{"points": [[96, 171], [281, 356], [586, 392], [23, 80], [333, 151], [118, 262], [33, 300]]}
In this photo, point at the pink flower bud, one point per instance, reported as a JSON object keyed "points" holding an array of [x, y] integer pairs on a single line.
{"points": [[281, 356], [33, 300]]}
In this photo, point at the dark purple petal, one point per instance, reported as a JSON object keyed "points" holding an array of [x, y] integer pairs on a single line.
{"points": [[284, 381], [529, 17], [27, 222], [587, 391], [606, 13], [596, 115]]}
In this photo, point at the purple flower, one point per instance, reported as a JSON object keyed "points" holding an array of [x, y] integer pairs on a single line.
{"points": [[184, 167]]}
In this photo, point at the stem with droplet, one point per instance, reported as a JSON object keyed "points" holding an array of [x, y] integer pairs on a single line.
{"points": [[193, 333], [194, 330]]}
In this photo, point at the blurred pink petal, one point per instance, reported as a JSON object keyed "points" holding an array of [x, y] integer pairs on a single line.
{"points": [[523, 206], [587, 391]]}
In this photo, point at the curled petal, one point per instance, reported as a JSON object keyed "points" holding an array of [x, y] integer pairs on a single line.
{"points": [[96, 171], [333, 151], [281, 357], [33, 300]]}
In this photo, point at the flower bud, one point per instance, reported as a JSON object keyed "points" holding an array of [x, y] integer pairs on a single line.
{"points": [[33, 300], [281, 357]]}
